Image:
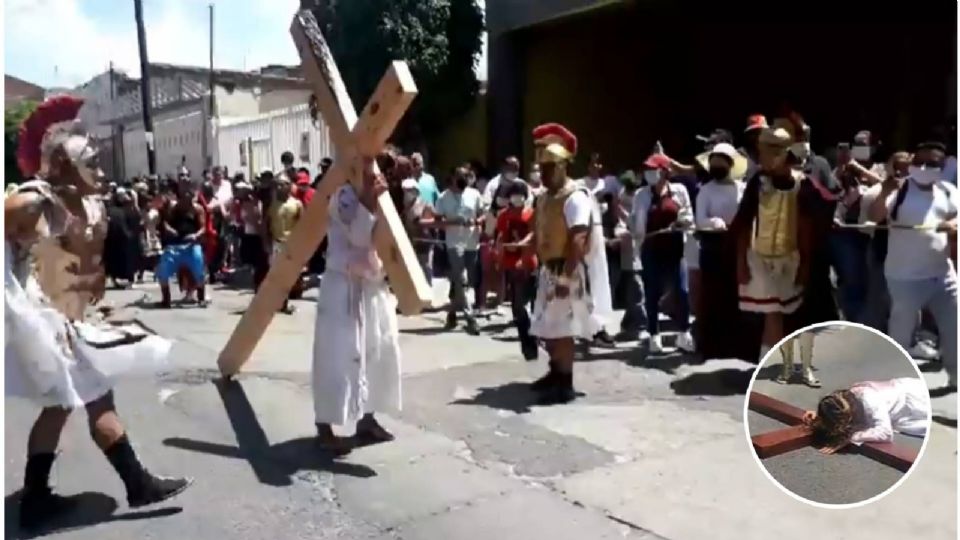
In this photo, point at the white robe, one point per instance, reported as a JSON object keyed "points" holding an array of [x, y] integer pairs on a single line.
{"points": [[356, 352], [582, 313], [58, 363], [901, 405]]}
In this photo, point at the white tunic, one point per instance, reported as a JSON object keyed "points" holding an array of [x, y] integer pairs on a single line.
{"points": [[901, 405], [58, 363], [356, 353], [583, 312]]}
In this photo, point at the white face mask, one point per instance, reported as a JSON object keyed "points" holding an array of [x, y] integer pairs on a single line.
{"points": [[861, 153], [603, 207], [651, 176], [510, 176], [925, 175], [535, 178], [517, 200]]}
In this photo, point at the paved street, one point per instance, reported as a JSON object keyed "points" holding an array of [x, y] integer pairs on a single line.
{"points": [[656, 448]]}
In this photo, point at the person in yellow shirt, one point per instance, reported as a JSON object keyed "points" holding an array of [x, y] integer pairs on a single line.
{"points": [[282, 216]]}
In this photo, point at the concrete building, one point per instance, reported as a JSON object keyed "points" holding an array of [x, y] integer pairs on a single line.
{"points": [[185, 128], [626, 73], [16, 90]]}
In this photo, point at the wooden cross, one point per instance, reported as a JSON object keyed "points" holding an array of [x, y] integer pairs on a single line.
{"points": [[354, 139], [797, 436]]}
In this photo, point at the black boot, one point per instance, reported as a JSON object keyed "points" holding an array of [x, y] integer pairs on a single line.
{"points": [[38, 504], [547, 381], [451, 321], [560, 392], [528, 343], [143, 488]]}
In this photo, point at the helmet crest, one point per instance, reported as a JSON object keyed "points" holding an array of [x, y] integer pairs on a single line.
{"points": [[53, 111]]}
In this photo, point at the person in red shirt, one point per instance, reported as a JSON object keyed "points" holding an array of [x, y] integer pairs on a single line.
{"points": [[515, 226], [304, 191]]}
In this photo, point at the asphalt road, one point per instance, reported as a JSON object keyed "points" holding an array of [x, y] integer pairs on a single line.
{"points": [[655, 448]]}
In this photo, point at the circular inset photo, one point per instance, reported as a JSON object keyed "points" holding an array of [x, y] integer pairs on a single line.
{"points": [[837, 414]]}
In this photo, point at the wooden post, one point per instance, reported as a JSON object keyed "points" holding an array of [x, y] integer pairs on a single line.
{"points": [[354, 139]]}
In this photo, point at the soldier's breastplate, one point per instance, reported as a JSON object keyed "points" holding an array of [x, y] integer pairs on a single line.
{"points": [[551, 232], [776, 233], [62, 264]]}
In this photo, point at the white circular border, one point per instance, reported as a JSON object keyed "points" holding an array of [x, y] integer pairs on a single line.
{"points": [[746, 425]]}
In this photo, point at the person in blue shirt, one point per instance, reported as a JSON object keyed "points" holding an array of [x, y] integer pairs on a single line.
{"points": [[426, 183]]}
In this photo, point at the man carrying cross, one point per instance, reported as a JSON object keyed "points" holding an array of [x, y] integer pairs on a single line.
{"points": [[356, 355]]}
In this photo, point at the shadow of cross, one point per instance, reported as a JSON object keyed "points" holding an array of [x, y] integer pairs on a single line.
{"points": [[354, 139], [797, 436], [273, 465]]}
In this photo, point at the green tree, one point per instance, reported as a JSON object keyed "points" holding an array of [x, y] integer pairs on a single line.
{"points": [[12, 118], [439, 39]]}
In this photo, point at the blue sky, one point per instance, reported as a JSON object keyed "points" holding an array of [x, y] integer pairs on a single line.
{"points": [[86, 35]]}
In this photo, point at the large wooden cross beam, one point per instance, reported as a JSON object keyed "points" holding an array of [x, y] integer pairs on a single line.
{"points": [[354, 139], [797, 436]]}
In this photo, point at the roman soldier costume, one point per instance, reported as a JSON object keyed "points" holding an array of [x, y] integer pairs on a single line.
{"points": [[573, 293], [775, 228], [53, 271]]}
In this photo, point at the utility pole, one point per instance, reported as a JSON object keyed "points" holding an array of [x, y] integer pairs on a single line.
{"points": [[211, 105], [145, 101]]}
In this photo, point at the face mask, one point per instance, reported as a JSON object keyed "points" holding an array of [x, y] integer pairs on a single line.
{"points": [[534, 178], [861, 153], [603, 207], [510, 176], [517, 200], [719, 173], [652, 176], [925, 175], [501, 201], [461, 183]]}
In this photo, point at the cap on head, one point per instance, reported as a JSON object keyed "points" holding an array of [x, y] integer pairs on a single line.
{"points": [[54, 111], [554, 143], [725, 149], [756, 121], [657, 162]]}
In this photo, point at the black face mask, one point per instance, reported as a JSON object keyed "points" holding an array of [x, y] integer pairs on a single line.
{"points": [[719, 173], [461, 183]]}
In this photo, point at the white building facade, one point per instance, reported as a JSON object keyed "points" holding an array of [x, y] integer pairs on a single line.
{"points": [[185, 131]]}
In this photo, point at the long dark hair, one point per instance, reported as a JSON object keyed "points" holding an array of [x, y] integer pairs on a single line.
{"points": [[836, 419]]}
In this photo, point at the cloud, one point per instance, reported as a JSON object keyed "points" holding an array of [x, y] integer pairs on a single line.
{"points": [[81, 43]]}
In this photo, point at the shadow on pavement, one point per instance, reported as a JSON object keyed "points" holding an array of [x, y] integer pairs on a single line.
{"points": [[771, 370], [942, 391], [722, 382], [89, 509], [929, 366], [513, 396], [273, 465], [426, 331], [945, 421]]}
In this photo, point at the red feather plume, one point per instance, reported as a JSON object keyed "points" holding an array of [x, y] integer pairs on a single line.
{"points": [[52, 111], [568, 138]]}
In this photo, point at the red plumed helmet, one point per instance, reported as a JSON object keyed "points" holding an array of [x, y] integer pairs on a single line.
{"points": [[52, 111], [553, 133]]}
